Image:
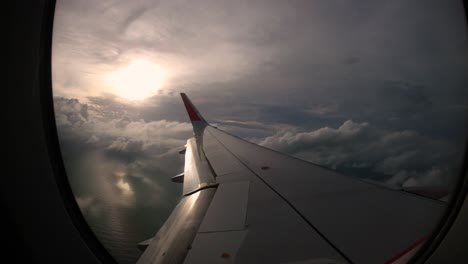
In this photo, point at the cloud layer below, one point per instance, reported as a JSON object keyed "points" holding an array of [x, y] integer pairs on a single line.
{"points": [[398, 157], [137, 156]]}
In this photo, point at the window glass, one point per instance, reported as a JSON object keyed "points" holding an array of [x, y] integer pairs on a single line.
{"points": [[373, 89]]}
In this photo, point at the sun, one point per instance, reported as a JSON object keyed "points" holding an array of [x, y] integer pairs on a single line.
{"points": [[138, 80]]}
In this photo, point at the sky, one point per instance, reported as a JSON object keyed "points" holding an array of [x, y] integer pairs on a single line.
{"points": [[375, 89]]}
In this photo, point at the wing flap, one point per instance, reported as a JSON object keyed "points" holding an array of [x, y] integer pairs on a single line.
{"points": [[228, 210], [217, 247], [272, 232]]}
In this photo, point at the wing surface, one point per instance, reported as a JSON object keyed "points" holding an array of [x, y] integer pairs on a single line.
{"points": [[268, 207]]}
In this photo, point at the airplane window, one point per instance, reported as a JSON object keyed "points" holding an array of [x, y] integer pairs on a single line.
{"points": [[374, 90]]}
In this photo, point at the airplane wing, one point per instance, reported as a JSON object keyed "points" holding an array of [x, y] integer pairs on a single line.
{"points": [[243, 203]]}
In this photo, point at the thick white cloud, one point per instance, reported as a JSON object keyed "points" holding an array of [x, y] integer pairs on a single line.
{"points": [[409, 157], [70, 112], [323, 136], [119, 133], [124, 144]]}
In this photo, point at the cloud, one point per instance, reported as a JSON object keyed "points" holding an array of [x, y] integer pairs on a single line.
{"points": [[432, 177], [124, 187], [291, 44], [70, 112], [311, 64], [397, 157], [117, 129], [124, 144], [117, 157], [294, 141], [404, 155]]}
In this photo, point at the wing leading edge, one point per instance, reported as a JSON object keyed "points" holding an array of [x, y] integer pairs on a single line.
{"points": [[245, 203]]}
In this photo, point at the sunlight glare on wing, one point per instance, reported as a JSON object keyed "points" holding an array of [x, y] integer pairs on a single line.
{"points": [[137, 80]]}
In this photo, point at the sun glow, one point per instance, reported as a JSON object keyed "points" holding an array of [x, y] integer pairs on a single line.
{"points": [[138, 80]]}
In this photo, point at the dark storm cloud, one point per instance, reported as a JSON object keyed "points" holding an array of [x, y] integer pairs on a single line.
{"points": [[289, 55]]}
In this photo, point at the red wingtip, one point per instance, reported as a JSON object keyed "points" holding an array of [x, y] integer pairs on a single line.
{"points": [[191, 110], [410, 250]]}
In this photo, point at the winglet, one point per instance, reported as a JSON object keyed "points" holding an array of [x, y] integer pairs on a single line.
{"points": [[191, 109]]}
